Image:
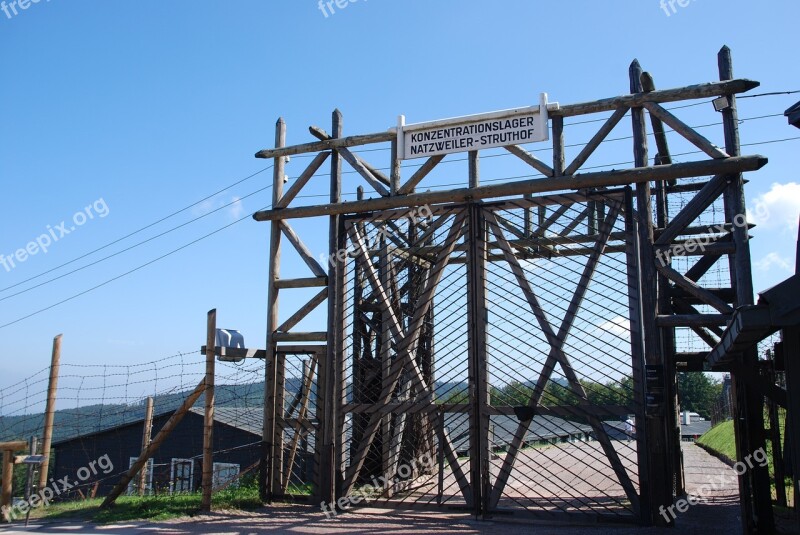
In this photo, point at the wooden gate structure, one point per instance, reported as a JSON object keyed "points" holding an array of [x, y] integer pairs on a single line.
{"points": [[510, 348]]}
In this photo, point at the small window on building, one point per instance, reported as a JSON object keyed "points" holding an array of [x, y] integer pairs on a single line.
{"points": [[181, 475], [224, 473], [133, 486]]}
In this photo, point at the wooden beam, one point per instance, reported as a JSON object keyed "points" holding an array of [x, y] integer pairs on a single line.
{"points": [[301, 248], [420, 173], [208, 417], [273, 302], [313, 303], [664, 156], [701, 267], [694, 289], [300, 337], [320, 134], [8, 484], [508, 189], [693, 209], [596, 140], [686, 131], [694, 320], [308, 282], [698, 91], [162, 435], [50, 410], [530, 159], [147, 432], [301, 181], [455, 465], [330, 144]]}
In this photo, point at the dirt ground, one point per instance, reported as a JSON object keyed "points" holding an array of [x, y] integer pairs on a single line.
{"points": [[717, 512]]}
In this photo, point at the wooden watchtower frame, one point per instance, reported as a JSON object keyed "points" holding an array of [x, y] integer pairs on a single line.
{"points": [[656, 286]]}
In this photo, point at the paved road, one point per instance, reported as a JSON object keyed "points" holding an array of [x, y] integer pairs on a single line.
{"points": [[717, 512]]}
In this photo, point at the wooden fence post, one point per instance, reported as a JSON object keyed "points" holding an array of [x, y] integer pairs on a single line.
{"points": [[208, 424], [146, 433], [50, 410]]}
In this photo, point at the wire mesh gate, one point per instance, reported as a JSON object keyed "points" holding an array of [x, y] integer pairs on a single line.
{"points": [[486, 357]]}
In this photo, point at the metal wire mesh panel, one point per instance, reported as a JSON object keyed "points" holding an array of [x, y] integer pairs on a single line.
{"points": [[487, 358], [562, 415], [300, 425], [405, 359]]}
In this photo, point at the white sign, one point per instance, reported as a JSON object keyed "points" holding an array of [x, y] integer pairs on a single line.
{"points": [[474, 132]]}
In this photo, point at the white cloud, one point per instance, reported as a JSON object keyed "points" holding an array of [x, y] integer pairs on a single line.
{"points": [[779, 208], [203, 208], [237, 208], [233, 206], [619, 326], [774, 259]]}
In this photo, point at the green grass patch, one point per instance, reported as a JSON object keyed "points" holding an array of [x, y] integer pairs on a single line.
{"points": [[157, 507], [720, 439]]}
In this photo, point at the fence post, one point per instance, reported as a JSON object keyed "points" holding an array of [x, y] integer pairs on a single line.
{"points": [[146, 434], [50, 409], [208, 427]]}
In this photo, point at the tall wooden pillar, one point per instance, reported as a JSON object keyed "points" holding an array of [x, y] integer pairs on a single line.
{"points": [[660, 476], [754, 485], [267, 473]]}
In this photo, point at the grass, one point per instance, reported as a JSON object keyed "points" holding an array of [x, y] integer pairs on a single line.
{"points": [[721, 440], [156, 507]]}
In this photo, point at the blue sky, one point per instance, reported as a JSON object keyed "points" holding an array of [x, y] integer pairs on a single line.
{"points": [[139, 109]]}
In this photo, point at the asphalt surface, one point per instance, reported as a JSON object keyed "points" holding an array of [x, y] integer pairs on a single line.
{"points": [[713, 481]]}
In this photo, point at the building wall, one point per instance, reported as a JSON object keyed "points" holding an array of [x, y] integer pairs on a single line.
{"points": [[74, 458]]}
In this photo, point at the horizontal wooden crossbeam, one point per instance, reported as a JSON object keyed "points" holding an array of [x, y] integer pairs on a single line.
{"points": [[699, 91], [621, 177]]}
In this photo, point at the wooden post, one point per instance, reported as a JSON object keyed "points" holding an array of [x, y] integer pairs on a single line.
{"points": [[474, 169], [790, 345], [162, 435], [757, 514], [558, 146], [34, 445], [479, 463], [50, 410], [8, 479], [396, 176], [654, 425], [664, 157], [267, 471], [330, 459], [208, 423], [775, 438], [146, 435]]}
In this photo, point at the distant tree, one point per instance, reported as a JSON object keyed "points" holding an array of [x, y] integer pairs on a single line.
{"points": [[514, 394], [697, 392]]}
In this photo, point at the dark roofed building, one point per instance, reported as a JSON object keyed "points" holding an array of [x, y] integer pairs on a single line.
{"points": [[175, 467]]}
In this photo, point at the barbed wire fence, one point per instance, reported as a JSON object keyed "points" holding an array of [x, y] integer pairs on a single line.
{"points": [[100, 425]]}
